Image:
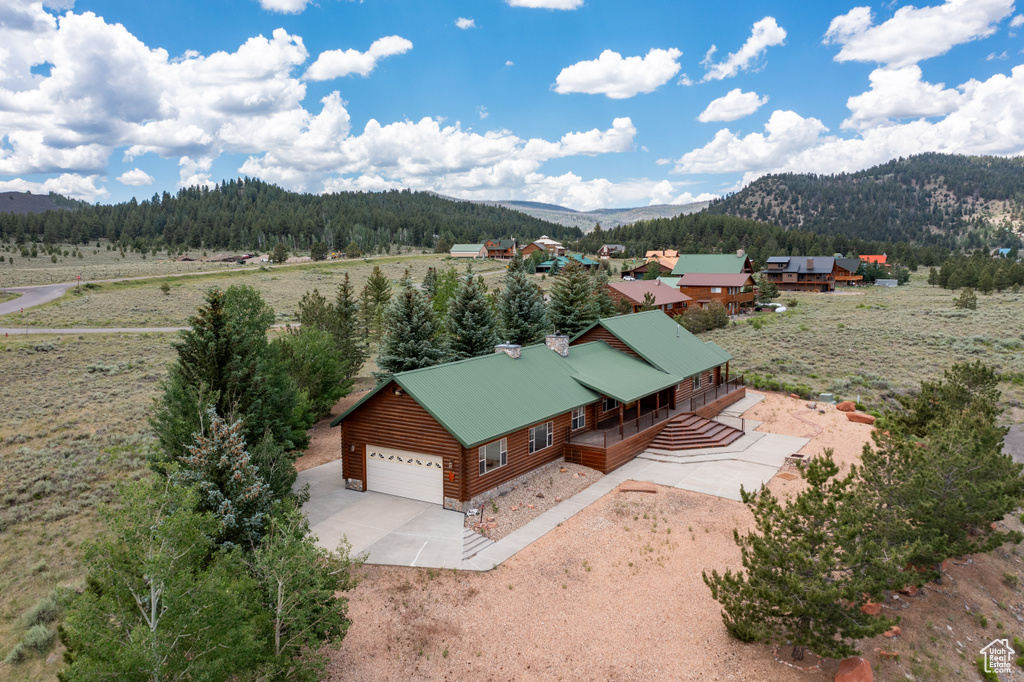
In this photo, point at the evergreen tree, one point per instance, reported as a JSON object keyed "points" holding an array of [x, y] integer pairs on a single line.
{"points": [[318, 251], [352, 250], [470, 322], [986, 283], [316, 367], [602, 299], [653, 271], [314, 311], [430, 282], [445, 286], [280, 254], [648, 303], [229, 485], [933, 277], [366, 315], [379, 288], [410, 334], [521, 313], [767, 290], [572, 306], [347, 334], [806, 569], [1002, 279]]}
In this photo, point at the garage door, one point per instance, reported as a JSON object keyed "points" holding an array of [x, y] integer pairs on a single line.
{"points": [[405, 474]]}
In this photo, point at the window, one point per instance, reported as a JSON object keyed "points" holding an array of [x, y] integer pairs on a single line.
{"points": [[609, 404], [579, 418], [696, 382], [540, 437], [493, 455], [716, 290]]}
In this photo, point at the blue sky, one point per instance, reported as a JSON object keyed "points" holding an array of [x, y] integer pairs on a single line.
{"points": [[584, 103]]}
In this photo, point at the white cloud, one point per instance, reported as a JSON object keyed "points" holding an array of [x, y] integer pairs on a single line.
{"points": [[619, 78], [338, 63], [546, 4], [482, 110], [136, 177], [465, 23], [284, 6], [786, 133], [1017, 21], [1001, 56], [899, 93], [914, 34], [195, 172], [734, 105], [69, 184], [509, 63], [764, 34]]}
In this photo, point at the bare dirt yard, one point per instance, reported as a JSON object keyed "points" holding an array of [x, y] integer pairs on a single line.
{"points": [[615, 593]]}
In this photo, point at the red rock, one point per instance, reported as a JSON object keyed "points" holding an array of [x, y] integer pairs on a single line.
{"points": [[887, 654], [794, 395], [909, 590], [871, 609], [993, 526], [860, 418], [855, 669], [894, 631], [847, 406], [637, 487]]}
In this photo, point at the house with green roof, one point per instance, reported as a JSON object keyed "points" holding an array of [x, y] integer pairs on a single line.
{"points": [[460, 432], [468, 251], [712, 264], [562, 261]]}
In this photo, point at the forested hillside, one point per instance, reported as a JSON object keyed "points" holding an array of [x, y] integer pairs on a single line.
{"points": [[251, 214], [943, 200], [708, 233]]}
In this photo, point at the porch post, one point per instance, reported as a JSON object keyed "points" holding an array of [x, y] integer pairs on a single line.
{"points": [[657, 404], [621, 418], [726, 371]]}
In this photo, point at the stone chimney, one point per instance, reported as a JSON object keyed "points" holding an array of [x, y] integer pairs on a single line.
{"points": [[558, 343], [740, 253], [510, 349], [810, 263]]}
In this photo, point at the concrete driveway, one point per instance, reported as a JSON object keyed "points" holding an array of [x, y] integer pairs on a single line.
{"points": [[391, 530]]}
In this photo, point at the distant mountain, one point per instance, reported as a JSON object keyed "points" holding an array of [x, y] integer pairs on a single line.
{"points": [[607, 217], [945, 200], [24, 203]]}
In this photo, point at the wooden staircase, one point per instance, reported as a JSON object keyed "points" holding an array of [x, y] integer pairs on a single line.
{"points": [[689, 431]]}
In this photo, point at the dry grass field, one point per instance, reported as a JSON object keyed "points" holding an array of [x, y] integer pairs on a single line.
{"points": [[143, 303], [873, 341]]}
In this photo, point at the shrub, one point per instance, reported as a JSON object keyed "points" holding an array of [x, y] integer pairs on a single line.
{"points": [[968, 300], [166, 288], [792, 303], [15, 655], [39, 638], [44, 611]]}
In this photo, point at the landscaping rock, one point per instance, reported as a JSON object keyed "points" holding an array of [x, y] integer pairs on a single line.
{"points": [[894, 631], [794, 395], [847, 406], [860, 418], [909, 590], [855, 669], [871, 609], [637, 487]]}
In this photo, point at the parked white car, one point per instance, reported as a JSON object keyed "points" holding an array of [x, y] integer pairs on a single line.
{"points": [[629, 278]]}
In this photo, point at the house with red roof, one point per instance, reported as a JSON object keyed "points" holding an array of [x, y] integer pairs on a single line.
{"points": [[668, 299]]}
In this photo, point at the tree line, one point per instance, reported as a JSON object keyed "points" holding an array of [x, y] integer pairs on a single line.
{"points": [[933, 484], [251, 214]]}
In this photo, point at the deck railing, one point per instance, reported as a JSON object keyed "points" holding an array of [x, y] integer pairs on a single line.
{"points": [[610, 435]]}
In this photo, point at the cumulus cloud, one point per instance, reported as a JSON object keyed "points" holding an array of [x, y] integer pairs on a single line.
{"points": [[786, 133], [136, 177], [338, 63], [465, 23], [617, 77], [546, 4], [1017, 21], [734, 105], [69, 184], [764, 34], [914, 34], [899, 94], [284, 6]]}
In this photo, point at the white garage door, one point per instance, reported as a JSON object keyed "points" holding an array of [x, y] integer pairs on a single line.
{"points": [[405, 474]]}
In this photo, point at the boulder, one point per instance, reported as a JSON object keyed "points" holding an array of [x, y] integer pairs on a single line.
{"points": [[794, 395], [894, 631], [871, 609], [847, 406], [855, 669], [909, 590], [637, 487], [860, 418]]}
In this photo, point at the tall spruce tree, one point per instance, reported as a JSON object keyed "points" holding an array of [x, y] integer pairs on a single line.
{"points": [[410, 334], [521, 313], [345, 329], [572, 306], [470, 321], [806, 569], [602, 298]]}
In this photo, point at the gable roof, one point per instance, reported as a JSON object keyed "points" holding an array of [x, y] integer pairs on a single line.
{"points": [[500, 243], [613, 247], [709, 263], [564, 260], [663, 293], [798, 264], [467, 248], [716, 279], [659, 340], [849, 264], [875, 259]]}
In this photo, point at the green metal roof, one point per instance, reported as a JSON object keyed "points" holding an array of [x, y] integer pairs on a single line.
{"points": [[564, 260], [467, 247], [708, 263], [660, 341], [671, 281], [615, 374]]}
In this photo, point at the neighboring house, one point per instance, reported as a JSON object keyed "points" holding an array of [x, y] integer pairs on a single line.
{"points": [[878, 260], [546, 244], [734, 291], [640, 271], [562, 261], [450, 435], [1001, 253], [846, 271], [667, 299], [500, 248], [712, 263], [609, 250], [665, 253], [802, 273], [468, 251]]}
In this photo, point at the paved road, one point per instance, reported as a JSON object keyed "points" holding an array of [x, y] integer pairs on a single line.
{"points": [[33, 296], [21, 331]]}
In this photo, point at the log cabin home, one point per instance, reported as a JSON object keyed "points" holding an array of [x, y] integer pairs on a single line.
{"points": [[562, 261], [802, 273], [608, 250], [846, 271], [502, 249], [459, 433], [670, 300], [877, 260], [546, 244], [735, 291], [640, 271], [712, 263]]}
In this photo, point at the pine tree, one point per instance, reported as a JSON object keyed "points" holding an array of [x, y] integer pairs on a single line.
{"points": [[521, 313], [366, 310], [933, 277], [314, 311], [445, 285], [602, 299], [648, 303], [806, 569], [653, 271], [986, 283], [346, 331], [379, 288], [410, 334], [430, 282], [572, 306], [470, 322], [767, 290]]}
